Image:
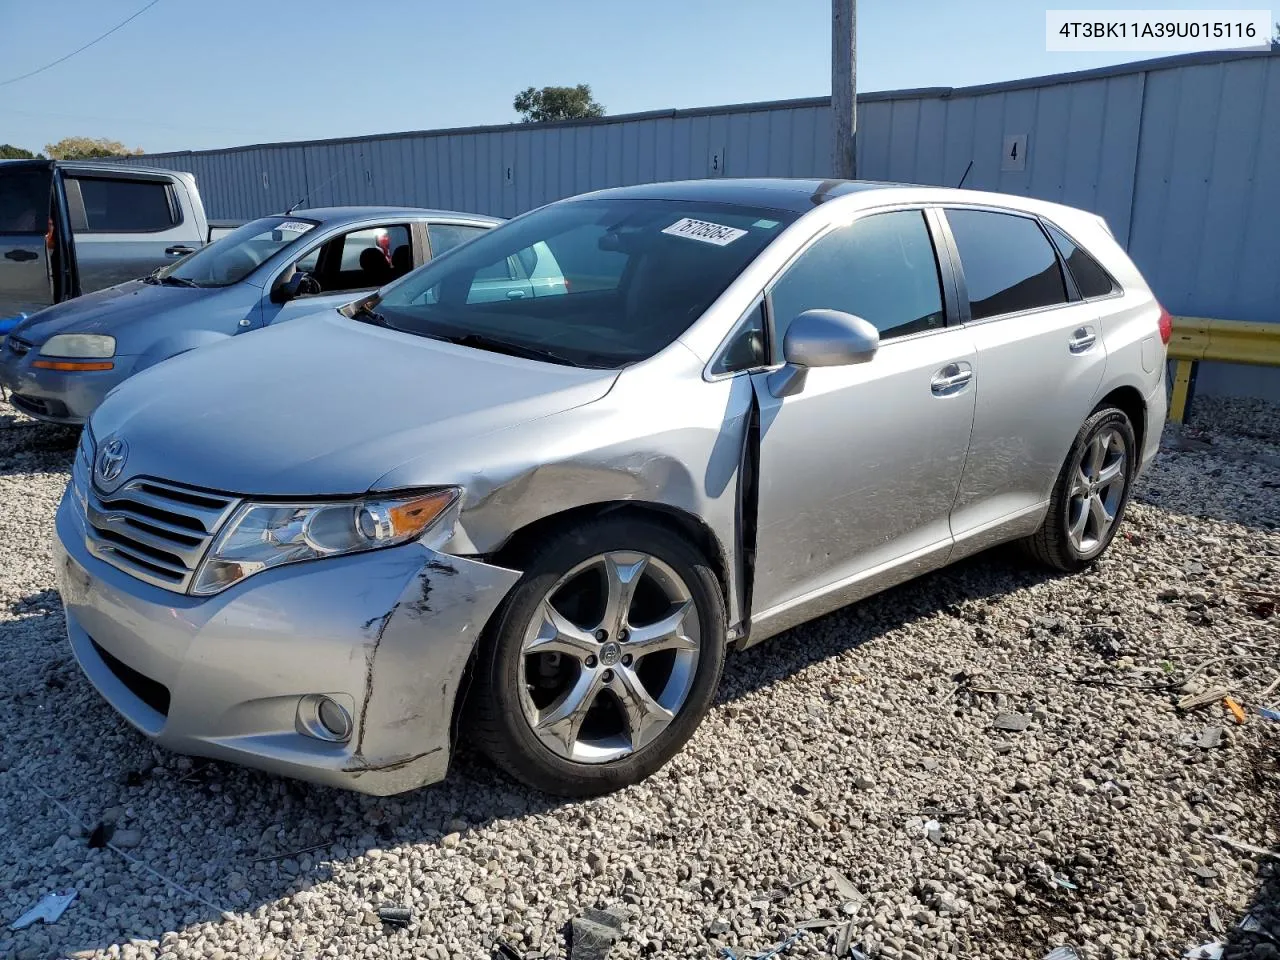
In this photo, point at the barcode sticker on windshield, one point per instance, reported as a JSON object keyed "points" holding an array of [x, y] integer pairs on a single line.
{"points": [[297, 226], [716, 233]]}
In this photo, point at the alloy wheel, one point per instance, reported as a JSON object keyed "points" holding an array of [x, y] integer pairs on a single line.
{"points": [[609, 658], [1097, 487]]}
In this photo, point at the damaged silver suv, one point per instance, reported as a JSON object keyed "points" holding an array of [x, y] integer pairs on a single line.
{"points": [[542, 521]]}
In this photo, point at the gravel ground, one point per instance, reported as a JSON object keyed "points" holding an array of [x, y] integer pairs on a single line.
{"points": [[853, 773]]}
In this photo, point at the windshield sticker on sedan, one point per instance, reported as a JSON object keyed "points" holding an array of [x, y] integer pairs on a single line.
{"points": [[765, 224], [716, 233], [297, 226]]}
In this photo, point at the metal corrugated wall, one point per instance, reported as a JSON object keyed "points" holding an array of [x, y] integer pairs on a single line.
{"points": [[1181, 155], [507, 170]]}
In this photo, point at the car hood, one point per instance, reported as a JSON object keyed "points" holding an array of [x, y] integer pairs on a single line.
{"points": [[324, 405], [109, 311]]}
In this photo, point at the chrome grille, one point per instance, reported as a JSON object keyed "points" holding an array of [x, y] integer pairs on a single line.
{"points": [[17, 345], [151, 529]]}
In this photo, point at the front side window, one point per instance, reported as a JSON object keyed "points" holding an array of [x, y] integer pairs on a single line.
{"points": [[628, 277], [881, 268], [125, 206], [1091, 279], [235, 256], [1008, 263]]}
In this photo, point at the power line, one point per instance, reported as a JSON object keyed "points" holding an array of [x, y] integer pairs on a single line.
{"points": [[4, 83]]}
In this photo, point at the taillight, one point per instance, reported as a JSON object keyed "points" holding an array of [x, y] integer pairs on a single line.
{"points": [[1166, 326]]}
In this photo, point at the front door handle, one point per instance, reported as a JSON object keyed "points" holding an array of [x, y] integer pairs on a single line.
{"points": [[1082, 340], [951, 379], [515, 294], [178, 250], [21, 255]]}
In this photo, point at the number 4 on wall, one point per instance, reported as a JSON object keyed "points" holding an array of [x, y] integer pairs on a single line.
{"points": [[1014, 158]]}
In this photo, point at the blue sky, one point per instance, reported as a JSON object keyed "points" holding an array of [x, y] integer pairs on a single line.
{"points": [[191, 75]]}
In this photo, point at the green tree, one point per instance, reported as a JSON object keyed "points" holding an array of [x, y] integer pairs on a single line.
{"points": [[83, 148], [9, 152], [557, 103]]}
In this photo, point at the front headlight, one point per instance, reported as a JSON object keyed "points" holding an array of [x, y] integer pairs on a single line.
{"points": [[264, 535], [79, 346]]}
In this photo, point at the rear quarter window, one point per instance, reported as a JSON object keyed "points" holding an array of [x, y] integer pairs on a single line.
{"points": [[1091, 279]]}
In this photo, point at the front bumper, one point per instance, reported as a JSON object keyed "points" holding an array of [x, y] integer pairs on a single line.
{"points": [[58, 396], [386, 633]]}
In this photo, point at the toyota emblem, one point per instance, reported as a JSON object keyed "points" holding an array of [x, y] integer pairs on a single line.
{"points": [[111, 460]]}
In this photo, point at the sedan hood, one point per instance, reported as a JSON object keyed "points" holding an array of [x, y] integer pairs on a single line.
{"points": [[109, 311], [324, 405]]}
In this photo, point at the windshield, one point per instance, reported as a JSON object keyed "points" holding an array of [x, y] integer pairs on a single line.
{"points": [[598, 283], [233, 257]]}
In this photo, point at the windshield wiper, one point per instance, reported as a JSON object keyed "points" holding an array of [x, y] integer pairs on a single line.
{"points": [[484, 342], [177, 282]]}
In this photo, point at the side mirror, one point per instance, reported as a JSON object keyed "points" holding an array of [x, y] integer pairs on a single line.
{"points": [[294, 285], [822, 338]]}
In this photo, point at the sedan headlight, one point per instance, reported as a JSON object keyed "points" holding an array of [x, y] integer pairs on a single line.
{"points": [[79, 345], [264, 535]]}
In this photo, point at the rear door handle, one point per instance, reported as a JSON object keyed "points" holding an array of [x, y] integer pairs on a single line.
{"points": [[178, 251], [20, 255], [951, 379], [1082, 340]]}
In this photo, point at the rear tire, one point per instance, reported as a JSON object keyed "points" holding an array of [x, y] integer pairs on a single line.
{"points": [[602, 660], [1090, 495]]}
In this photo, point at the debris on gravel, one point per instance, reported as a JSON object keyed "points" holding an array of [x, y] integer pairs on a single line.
{"points": [[1109, 824]]}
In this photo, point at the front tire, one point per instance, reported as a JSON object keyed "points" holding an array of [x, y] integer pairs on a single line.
{"points": [[602, 660], [1090, 495]]}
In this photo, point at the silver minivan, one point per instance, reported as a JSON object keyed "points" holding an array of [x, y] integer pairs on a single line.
{"points": [[542, 522]]}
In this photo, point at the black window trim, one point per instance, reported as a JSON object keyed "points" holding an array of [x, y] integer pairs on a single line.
{"points": [[710, 374], [1073, 298], [74, 177], [1117, 289]]}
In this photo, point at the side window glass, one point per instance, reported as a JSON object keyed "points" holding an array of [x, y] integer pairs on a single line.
{"points": [[445, 236], [745, 348], [308, 263], [1092, 280], [125, 206], [1009, 264], [881, 268], [370, 258], [24, 200], [500, 270]]}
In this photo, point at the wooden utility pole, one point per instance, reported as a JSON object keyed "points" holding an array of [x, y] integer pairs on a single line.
{"points": [[844, 87]]}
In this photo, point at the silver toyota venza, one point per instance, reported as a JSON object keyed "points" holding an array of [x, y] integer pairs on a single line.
{"points": [[330, 547]]}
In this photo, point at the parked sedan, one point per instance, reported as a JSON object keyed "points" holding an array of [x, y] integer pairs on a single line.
{"points": [[750, 403], [59, 363]]}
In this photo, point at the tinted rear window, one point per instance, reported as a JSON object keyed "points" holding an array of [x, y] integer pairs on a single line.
{"points": [[126, 206], [1090, 278], [1009, 264]]}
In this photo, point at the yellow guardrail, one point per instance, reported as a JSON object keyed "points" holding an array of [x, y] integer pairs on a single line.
{"points": [[1224, 341]]}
